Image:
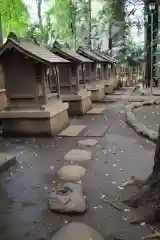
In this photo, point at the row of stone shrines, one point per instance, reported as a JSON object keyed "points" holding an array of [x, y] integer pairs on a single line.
{"points": [[43, 86]]}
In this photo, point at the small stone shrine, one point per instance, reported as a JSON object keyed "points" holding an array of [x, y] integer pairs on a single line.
{"points": [[109, 70], [94, 83], [33, 109], [73, 78]]}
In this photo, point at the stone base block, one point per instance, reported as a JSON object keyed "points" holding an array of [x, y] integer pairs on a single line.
{"points": [[3, 99], [108, 89], [97, 92], [47, 122], [79, 104]]}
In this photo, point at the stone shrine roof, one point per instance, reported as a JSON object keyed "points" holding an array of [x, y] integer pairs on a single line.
{"points": [[70, 55], [90, 54], [106, 57], [32, 50]]}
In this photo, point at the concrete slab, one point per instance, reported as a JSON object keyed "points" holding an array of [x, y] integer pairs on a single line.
{"points": [[6, 161], [77, 231], [78, 155], [96, 111], [71, 173], [68, 200], [88, 142], [72, 130], [98, 131]]}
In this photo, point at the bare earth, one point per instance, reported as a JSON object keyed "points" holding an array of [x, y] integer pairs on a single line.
{"points": [[25, 187]]}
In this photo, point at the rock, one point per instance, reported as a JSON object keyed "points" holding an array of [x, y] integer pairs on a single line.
{"points": [[6, 161], [88, 142], [77, 231], [78, 155], [68, 200], [71, 173]]}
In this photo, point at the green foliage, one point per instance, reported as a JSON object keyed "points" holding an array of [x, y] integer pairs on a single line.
{"points": [[14, 16], [63, 16]]}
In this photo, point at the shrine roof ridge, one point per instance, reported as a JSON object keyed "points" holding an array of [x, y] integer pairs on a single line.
{"points": [[70, 55], [90, 54], [32, 50], [106, 56]]}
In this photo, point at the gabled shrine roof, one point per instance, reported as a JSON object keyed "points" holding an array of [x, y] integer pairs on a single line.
{"points": [[70, 55], [32, 50]]}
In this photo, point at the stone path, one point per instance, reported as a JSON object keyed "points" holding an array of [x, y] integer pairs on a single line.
{"points": [[25, 188], [78, 155], [70, 199], [77, 231], [87, 142], [71, 173]]}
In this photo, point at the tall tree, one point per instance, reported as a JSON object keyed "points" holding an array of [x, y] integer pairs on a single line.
{"points": [[63, 15], [14, 17], [39, 15]]}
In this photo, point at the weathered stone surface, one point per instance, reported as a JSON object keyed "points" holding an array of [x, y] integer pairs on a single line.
{"points": [[72, 130], [77, 231], [6, 161], [78, 155], [88, 142], [139, 127], [68, 200], [71, 173], [96, 111]]}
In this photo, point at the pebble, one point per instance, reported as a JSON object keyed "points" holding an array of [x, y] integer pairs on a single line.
{"points": [[113, 182], [126, 210], [120, 188], [51, 167], [142, 223]]}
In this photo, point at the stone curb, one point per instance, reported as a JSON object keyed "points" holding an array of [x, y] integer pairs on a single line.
{"points": [[139, 127]]}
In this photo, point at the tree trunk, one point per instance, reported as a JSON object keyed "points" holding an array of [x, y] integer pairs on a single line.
{"points": [[39, 14], [89, 24], [147, 44], [155, 39], [110, 39], [1, 32], [148, 197]]}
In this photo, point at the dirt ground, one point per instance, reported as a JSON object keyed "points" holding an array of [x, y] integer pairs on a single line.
{"points": [[25, 187]]}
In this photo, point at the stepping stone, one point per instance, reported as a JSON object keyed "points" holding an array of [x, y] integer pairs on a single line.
{"points": [[78, 155], [72, 130], [77, 231], [71, 173], [96, 111], [88, 142], [70, 199], [6, 161]]}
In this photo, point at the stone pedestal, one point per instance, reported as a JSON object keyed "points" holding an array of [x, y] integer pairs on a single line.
{"points": [[97, 92], [35, 122], [108, 89], [79, 103], [3, 99]]}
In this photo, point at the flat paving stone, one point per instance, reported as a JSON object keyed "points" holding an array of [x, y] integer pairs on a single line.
{"points": [[77, 231], [72, 130], [68, 200], [71, 173], [96, 111], [98, 131], [6, 161], [88, 142], [78, 155]]}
